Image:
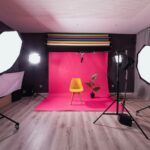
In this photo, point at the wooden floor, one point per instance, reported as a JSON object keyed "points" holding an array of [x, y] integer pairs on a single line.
{"points": [[71, 130]]}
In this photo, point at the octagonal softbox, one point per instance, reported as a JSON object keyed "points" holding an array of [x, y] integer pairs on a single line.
{"points": [[143, 64], [10, 46]]}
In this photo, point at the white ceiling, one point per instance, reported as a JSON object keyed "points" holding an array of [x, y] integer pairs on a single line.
{"points": [[80, 16]]}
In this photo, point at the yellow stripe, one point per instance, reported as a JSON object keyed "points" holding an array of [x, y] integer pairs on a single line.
{"points": [[55, 44], [74, 42]]}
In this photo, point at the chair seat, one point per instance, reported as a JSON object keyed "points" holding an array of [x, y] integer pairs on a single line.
{"points": [[76, 90]]}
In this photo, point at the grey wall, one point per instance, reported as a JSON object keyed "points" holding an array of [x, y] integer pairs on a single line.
{"points": [[142, 89]]}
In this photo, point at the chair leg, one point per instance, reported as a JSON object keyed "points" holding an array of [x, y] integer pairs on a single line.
{"points": [[80, 97], [72, 98]]}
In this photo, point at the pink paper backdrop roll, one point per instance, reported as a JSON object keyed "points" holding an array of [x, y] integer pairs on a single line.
{"points": [[63, 66]]}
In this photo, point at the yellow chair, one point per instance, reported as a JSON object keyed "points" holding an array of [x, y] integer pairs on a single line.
{"points": [[76, 87]]}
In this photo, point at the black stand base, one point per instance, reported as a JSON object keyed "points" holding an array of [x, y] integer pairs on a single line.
{"points": [[125, 119], [104, 113], [16, 123], [142, 109]]}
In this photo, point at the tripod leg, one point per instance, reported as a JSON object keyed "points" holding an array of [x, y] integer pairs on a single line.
{"points": [[123, 105], [104, 111], [136, 123], [142, 109], [16, 123]]}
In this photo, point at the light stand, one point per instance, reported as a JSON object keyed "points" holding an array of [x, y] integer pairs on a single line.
{"points": [[35, 93], [117, 102], [35, 59]]}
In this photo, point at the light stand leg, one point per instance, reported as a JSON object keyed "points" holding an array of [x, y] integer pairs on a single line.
{"points": [[142, 109], [124, 107], [136, 123], [16, 123], [104, 112]]}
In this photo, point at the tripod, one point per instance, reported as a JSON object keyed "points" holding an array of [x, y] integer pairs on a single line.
{"points": [[117, 104]]}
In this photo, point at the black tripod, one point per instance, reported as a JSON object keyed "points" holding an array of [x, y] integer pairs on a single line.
{"points": [[117, 104]]}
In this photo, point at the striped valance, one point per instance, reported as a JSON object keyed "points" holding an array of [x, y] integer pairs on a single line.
{"points": [[76, 39]]}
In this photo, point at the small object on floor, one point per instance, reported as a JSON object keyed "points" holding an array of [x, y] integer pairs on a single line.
{"points": [[125, 119], [37, 94]]}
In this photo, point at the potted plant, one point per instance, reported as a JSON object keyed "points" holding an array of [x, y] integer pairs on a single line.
{"points": [[91, 84]]}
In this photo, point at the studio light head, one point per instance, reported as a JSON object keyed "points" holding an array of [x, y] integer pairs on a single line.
{"points": [[123, 59], [34, 58], [117, 57]]}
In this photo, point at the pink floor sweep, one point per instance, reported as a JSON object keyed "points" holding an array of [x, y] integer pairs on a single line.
{"points": [[61, 102]]}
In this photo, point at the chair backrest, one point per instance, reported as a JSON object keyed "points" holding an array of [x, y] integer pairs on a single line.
{"points": [[75, 84]]}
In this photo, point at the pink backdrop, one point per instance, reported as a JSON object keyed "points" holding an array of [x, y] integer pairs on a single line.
{"points": [[65, 65]]}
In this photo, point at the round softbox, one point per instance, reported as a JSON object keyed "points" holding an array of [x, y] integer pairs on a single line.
{"points": [[143, 62]]}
